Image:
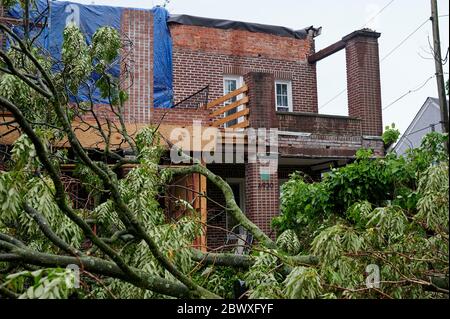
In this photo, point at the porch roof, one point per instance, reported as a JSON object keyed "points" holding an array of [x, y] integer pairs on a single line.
{"points": [[91, 138]]}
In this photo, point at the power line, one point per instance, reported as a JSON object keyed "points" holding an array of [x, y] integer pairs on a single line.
{"points": [[405, 39], [417, 131], [377, 14], [409, 92], [423, 129], [392, 51], [333, 98], [384, 58], [370, 20]]}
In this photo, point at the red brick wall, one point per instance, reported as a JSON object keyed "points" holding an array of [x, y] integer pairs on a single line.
{"points": [[327, 145], [261, 100], [377, 145], [363, 80], [262, 197], [180, 116], [315, 123], [137, 26], [202, 56], [239, 42]]}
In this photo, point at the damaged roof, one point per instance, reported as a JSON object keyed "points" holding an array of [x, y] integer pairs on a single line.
{"points": [[238, 25]]}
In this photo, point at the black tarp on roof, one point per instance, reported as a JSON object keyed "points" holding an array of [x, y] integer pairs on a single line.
{"points": [[229, 24]]}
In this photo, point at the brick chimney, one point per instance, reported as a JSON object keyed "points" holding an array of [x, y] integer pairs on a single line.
{"points": [[363, 80]]}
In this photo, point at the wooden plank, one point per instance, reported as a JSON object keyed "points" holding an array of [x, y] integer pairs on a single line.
{"points": [[329, 50], [243, 124], [196, 188], [189, 185], [227, 97], [203, 212], [230, 117], [231, 106]]}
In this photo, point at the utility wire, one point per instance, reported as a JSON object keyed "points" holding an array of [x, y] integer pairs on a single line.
{"points": [[409, 92], [417, 131], [377, 14], [370, 20], [405, 39], [384, 58], [333, 98], [423, 129], [420, 87]]}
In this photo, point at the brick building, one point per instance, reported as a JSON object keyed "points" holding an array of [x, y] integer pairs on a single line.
{"points": [[276, 67], [204, 53]]}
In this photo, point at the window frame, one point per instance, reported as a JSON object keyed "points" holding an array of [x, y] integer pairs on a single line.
{"points": [[239, 83], [288, 83]]}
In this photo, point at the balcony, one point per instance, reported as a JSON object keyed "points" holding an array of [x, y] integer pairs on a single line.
{"points": [[319, 123]]}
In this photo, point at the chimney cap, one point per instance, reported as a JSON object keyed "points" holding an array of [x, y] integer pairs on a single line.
{"points": [[368, 33]]}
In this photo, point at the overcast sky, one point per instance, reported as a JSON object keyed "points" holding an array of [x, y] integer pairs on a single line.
{"points": [[407, 68]]}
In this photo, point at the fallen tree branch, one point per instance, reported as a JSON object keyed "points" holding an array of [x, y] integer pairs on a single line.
{"points": [[99, 267], [222, 259], [8, 293], [246, 261], [231, 204], [48, 232]]}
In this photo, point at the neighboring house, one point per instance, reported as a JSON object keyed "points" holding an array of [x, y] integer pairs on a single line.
{"points": [[427, 120], [272, 71]]}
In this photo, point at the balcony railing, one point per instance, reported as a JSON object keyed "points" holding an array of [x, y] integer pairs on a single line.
{"points": [[239, 113]]}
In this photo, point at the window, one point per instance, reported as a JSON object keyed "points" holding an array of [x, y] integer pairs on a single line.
{"points": [[231, 83], [283, 96]]}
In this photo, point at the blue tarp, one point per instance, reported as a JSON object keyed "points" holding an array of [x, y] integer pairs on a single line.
{"points": [[91, 17], [162, 59], [35, 14]]}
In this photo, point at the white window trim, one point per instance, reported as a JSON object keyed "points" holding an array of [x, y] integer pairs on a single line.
{"points": [[241, 182], [239, 80], [239, 83], [289, 92]]}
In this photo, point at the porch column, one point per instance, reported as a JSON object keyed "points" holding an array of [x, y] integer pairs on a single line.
{"points": [[261, 168], [262, 193]]}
